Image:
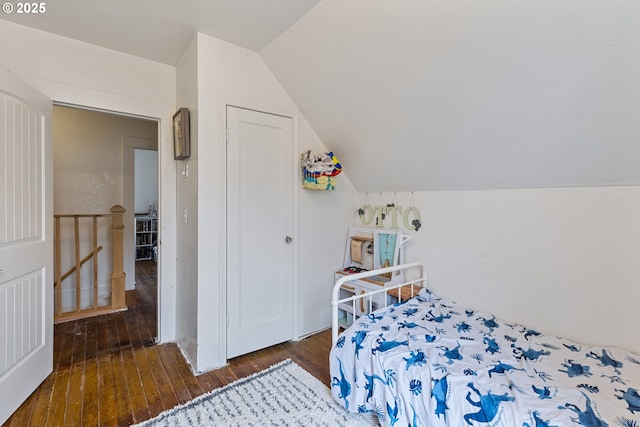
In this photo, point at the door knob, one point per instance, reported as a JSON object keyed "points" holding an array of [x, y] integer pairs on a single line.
{"points": [[288, 239]]}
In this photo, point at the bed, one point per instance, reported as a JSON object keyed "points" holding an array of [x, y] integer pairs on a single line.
{"points": [[427, 361]]}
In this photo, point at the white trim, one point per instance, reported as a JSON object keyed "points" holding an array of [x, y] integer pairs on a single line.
{"points": [[166, 311], [222, 229], [129, 145], [104, 110], [126, 146]]}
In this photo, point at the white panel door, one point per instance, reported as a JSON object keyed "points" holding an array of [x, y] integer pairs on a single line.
{"points": [[260, 221], [26, 242]]}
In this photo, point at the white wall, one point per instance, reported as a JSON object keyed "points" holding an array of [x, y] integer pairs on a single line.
{"points": [[325, 217], [187, 199], [562, 260], [226, 72], [146, 180], [78, 73]]}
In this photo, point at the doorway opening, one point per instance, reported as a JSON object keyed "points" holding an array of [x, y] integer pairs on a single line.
{"points": [[95, 168], [146, 230]]}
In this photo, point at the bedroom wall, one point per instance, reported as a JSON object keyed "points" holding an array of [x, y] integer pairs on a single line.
{"points": [[187, 199], [563, 260], [324, 220], [73, 72], [223, 72]]}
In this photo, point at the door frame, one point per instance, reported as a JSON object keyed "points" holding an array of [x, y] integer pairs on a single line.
{"points": [[267, 109], [129, 146], [165, 315]]}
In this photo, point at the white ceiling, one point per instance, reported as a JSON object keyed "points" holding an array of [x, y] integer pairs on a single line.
{"points": [[160, 30], [422, 94]]}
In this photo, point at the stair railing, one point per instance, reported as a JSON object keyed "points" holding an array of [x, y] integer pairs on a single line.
{"points": [[117, 276]]}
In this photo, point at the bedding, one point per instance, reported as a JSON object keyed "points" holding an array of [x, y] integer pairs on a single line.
{"points": [[430, 362]]}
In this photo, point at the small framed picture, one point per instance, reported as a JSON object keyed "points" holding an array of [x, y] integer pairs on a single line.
{"points": [[181, 140]]}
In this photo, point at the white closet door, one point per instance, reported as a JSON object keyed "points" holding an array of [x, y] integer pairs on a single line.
{"points": [[260, 221], [26, 242]]}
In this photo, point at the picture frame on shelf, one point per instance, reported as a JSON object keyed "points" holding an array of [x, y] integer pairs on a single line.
{"points": [[181, 134]]}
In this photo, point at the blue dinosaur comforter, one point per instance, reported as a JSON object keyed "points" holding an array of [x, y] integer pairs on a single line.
{"points": [[429, 362]]}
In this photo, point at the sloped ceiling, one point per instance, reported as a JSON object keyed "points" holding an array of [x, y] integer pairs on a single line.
{"points": [[422, 94], [467, 94]]}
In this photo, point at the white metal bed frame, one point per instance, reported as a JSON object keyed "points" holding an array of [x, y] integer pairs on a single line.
{"points": [[398, 283]]}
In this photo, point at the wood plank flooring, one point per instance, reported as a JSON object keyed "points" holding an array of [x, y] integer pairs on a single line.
{"points": [[108, 372]]}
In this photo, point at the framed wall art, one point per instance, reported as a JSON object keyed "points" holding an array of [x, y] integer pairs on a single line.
{"points": [[181, 137]]}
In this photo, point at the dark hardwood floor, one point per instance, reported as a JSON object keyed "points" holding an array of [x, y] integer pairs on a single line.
{"points": [[108, 372]]}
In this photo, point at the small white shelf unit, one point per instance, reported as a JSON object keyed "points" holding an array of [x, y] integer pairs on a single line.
{"points": [[146, 236], [364, 251]]}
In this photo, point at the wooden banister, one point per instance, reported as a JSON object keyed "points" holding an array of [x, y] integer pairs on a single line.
{"points": [[117, 275], [76, 233], [57, 269], [82, 262]]}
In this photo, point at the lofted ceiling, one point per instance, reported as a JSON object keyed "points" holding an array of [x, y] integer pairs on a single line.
{"points": [[467, 94], [422, 94]]}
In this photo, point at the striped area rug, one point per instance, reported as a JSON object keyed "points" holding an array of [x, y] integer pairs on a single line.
{"points": [[282, 395]]}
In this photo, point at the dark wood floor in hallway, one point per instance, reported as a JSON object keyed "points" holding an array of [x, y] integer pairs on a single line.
{"points": [[108, 372]]}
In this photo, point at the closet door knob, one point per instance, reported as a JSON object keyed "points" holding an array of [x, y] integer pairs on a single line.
{"points": [[288, 239]]}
